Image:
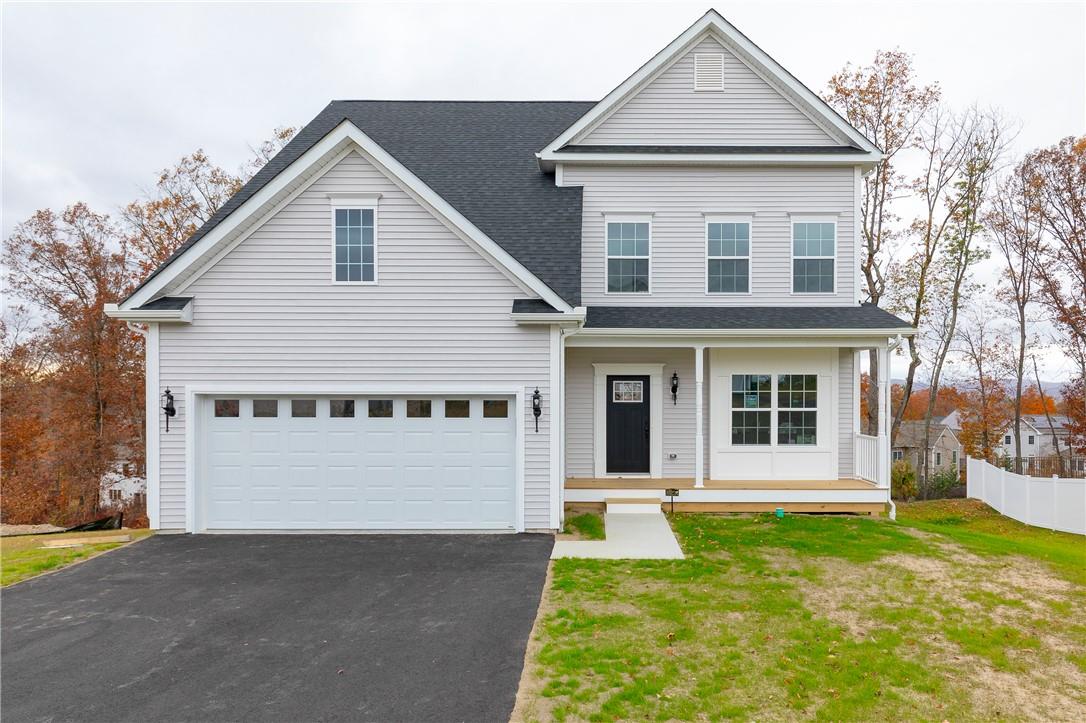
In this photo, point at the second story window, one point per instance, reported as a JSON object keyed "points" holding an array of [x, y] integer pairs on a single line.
{"points": [[728, 256], [814, 255], [628, 242], [354, 245]]}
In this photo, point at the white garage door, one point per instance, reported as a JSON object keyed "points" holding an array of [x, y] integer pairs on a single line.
{"points": [[315, 463]]}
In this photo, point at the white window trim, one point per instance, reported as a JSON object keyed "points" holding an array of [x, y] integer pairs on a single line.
{"points": [[600, 395], [770, 410], [351, 201], [709, 89], [626, 218], [792, 221], [730, 218]]}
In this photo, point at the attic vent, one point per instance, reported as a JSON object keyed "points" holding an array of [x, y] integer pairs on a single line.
{"points": [[708, 71]]}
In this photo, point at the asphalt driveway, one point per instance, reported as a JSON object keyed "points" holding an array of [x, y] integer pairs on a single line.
{"points": [[277, 627]]}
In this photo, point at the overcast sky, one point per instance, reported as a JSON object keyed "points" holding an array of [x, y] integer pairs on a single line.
{"points": [[98, 97]]}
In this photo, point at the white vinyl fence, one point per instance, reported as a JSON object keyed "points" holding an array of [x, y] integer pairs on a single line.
{"points": [[1054, 502]]}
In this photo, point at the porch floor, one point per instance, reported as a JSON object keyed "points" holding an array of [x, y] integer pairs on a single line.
{"points": [[687, 483]]}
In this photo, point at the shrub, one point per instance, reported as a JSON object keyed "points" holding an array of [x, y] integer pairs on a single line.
{"points": [[902, 480], [940, 483]]}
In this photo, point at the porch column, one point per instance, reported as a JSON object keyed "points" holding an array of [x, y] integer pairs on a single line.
{"points": [[699, 431], [884, 416]]}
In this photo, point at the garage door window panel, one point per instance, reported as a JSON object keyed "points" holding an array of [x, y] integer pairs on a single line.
{"points": [[380, 408], [341, 408], [457, 408], [227, 408], [265, 408], [303, 408], [495, 408], [418, 408]]}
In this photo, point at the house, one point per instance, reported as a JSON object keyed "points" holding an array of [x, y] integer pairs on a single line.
{"points": [[124, 482], [1039, 437], [943, 449], [465, 315], [952, 419]]}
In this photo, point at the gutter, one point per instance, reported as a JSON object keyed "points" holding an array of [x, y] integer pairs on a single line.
{"points": [[671, 331], [576, 316]]}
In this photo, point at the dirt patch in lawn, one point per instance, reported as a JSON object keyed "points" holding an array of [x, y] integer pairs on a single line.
{"points": [[986, 621], [530, 704], [9, 530]]}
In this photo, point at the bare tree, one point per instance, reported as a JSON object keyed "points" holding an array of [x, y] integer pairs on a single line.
{"points": [[1013, 224], [1048, 417], [885, 103], [953, 146], [986, 353]]}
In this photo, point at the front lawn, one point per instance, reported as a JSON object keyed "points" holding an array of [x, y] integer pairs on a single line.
{"points": [[23, 556], [948, 614]]}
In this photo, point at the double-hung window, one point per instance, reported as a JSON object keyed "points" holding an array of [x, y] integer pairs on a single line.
{"points": [[752, 404], [797, 409], [354, 240], [727, 255], [814, 256], [786, 402], [628, 240]]}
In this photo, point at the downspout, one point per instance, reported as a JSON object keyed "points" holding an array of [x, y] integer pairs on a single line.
{"points": [[892, 346], [563, 333]]}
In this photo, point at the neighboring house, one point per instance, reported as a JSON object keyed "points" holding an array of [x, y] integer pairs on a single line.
{"points": [[944, 449], [122, 484], [953, 420], [1038, 439], [362, 336]]}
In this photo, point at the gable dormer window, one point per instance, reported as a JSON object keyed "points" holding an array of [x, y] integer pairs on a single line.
{"points": [[354, 239], [709, 71], [628, 240]]}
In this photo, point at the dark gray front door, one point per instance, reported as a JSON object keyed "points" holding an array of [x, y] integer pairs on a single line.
{"points": [[627, 424]]}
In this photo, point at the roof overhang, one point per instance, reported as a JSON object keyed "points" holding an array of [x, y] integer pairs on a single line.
{"points": [[174, 276], [577, 316], [751, 333], [866, 160], [182, 315]]}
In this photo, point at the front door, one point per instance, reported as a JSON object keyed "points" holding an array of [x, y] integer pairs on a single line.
{"points": [[627, 425]]}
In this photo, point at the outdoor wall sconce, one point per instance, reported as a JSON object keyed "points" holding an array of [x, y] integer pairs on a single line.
{"points": [[675, 387], [167, 406], [537, 406]]}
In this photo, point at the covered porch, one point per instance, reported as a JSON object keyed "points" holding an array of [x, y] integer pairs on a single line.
{"points": [[720, 420]]}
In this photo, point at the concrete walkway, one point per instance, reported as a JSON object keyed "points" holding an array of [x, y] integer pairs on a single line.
{"points": [[630, 536]]}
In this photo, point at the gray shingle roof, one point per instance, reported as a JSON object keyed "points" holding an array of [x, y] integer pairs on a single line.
{"points": [[864, 316], [167, 303], [532, 306], [733, 150], [478, 156]]}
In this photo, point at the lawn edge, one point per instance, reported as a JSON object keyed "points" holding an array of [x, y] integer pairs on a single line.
{"points": [[521, 702], [74, 563]]}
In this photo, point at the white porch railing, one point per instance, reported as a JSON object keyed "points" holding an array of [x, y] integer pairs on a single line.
{"points": [[1052, 502], [868, 463]]}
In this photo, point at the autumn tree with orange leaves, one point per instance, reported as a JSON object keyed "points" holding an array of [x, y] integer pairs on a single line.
{"points": [[72, 403]]}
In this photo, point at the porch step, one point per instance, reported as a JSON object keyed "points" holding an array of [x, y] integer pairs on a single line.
{"points": [[633, 505]]}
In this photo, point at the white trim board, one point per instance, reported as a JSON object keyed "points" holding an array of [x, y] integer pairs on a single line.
{"points": [[343, 137], [655, 373], [713, 24]]}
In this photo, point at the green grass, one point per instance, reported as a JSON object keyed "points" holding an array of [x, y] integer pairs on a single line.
{"points": [[977, 527], [588, 525], [23, 557], [826, 618]]}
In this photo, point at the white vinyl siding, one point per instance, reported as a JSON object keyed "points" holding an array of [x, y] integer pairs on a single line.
{"points": [[669, 111], [268, 313], [680, 199], [678, 422]]}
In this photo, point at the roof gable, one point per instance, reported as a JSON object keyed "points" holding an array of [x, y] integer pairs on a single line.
{"points": [[712, 26], [476, 158], [668, 110]]}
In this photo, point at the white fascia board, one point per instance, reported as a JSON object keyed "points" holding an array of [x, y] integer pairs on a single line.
{"points": [[572, 317], [865, 333], [729, 36], [863, 160], [348, 132], [182, 316]]}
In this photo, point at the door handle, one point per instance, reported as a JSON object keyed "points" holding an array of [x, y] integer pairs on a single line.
{"points": [[646, 431]]}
